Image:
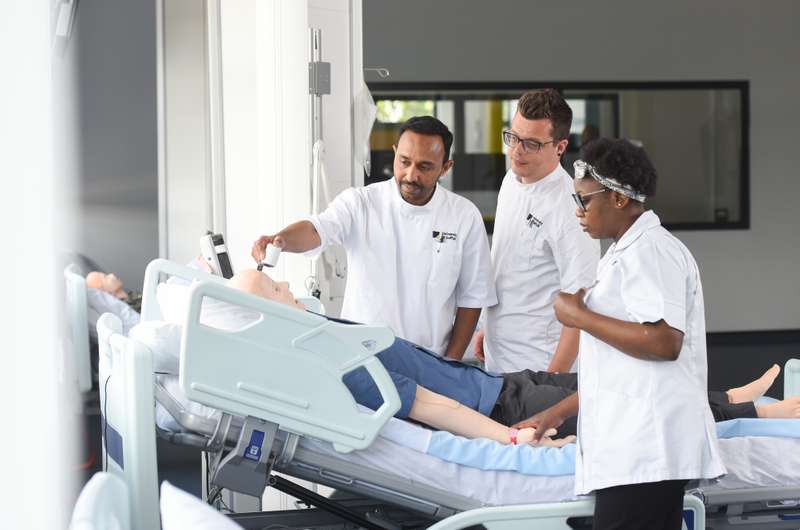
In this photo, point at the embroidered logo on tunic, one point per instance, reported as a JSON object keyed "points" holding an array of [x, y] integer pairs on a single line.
{"points": [[441, 237], [532, 221]]}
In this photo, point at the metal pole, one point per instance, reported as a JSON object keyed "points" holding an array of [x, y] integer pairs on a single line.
{"points": [[216, 135]]}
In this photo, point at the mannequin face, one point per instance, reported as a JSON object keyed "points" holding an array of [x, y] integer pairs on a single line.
{"points": [[258, 283], [111, 283], [106, 282]]}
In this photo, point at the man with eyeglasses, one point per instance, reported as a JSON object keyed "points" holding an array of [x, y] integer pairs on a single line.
{"points": [[538, 248]]}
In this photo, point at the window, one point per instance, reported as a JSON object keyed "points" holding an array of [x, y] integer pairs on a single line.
{"points": [[696, 133]]}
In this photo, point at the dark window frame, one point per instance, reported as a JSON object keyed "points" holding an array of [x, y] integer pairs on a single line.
{"points": [[472, 90]]}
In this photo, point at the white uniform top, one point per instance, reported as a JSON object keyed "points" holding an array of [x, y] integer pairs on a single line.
{"points": [[538, 249], [409, 267], [645, 421]]}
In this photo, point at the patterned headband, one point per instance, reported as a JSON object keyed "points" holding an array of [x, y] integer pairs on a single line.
{"points": [[581, 168]]}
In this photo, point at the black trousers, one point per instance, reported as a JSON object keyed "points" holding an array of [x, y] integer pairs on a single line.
{"points": [[648, 506], [527, 393]]}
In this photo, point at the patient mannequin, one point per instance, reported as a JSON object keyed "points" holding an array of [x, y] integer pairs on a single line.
{"points": [[448, 414], [109, 283], [106, 282], [429, 408]]}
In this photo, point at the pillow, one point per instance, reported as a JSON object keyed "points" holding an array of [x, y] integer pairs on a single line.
{"points": [[164, 340], [100, 302], [182, 511], [173, 300]]}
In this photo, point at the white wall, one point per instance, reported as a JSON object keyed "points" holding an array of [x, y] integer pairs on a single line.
{"points": [[267, 134], [265, 54], [749, 276], [184, 179], [39, 434], [111, 101]]}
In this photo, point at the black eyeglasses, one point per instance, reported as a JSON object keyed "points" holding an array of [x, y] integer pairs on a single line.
{"points": [[528, 145], [579, 199]]}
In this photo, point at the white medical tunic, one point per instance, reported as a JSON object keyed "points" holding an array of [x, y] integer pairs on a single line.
{"points": [[645, 421], [409, 267], [538, 249]]}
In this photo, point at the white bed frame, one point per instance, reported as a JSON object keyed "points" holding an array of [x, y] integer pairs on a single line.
{"points": [[234, 382], [78, 323], [791, 378], [128, 419]]}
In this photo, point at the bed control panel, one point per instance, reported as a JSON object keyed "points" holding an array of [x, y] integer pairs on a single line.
{"points": [[215, 253], [247, 468]]}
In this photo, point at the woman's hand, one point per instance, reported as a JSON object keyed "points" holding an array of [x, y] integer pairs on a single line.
{"points": [[545, 423], [570, 307]]}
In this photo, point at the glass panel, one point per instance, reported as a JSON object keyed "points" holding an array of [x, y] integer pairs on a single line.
{"points": [[695, 137]]}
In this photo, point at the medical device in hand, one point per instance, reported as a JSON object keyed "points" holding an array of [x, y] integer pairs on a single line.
{"points": [[214, 251], [271, 257]]}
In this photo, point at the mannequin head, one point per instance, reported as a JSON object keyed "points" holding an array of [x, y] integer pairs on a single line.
{"points": [[106, 282]]}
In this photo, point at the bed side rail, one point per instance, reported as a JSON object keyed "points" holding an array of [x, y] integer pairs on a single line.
{"points": [[78, 321], [286, 368], [128, 428], [791, 378], [551, 516], [160, 269]]}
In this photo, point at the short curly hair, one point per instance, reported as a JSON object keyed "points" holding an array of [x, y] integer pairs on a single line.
{"points": [[623, 161]]}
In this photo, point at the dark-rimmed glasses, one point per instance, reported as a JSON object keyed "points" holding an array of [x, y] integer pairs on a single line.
{"points": [[528, 145], [579, 198]]}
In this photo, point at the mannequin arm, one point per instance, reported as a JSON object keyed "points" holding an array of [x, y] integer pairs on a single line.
{"points": [[446, 414]]}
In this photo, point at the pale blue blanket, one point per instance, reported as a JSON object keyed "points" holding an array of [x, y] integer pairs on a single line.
{"points": [[486, 454]]}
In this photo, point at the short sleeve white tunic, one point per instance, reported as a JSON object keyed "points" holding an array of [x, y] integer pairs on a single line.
{"points": [[645, 421], [538, 249], [409, 267]]}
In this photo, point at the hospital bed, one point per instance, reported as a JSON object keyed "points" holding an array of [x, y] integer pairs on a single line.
{"points": [[319, 434]]}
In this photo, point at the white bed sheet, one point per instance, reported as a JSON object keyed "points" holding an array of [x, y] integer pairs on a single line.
{"points": [[486, 487], [760, 462], [752, 462]]}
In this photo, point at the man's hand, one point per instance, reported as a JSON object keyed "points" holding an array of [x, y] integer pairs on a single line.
{"points": [[544, 423], [569, 307], [478, 345], [259, 250]]}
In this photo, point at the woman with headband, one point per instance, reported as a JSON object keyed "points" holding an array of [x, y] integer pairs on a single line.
{"points": [[644, 429]]}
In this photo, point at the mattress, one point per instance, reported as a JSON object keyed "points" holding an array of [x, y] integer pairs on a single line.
{"points": [[752, 462]]}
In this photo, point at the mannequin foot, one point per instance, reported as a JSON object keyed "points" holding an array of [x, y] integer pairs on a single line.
{"points": [[756, 389], [786, 409]]}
